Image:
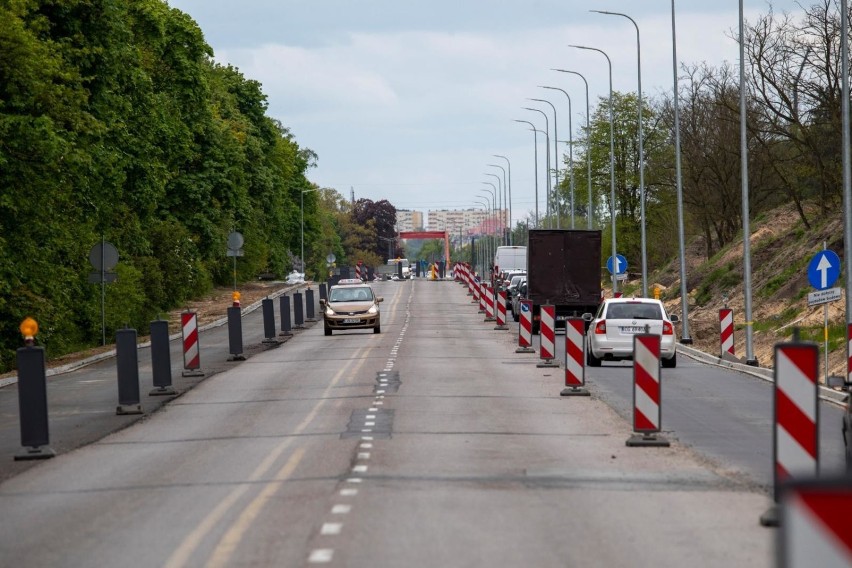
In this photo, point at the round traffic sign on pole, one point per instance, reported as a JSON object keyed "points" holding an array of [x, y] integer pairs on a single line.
{"points": [[617, 267], [824, 269], [235, 240], [103, 256]]}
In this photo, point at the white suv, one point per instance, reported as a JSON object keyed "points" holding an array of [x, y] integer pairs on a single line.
{"points": [[610, 335]]}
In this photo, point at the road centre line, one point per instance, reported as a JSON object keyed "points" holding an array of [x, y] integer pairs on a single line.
{"points": [[182, 555]]}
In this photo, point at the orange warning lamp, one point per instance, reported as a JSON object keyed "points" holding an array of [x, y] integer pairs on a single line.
{"points": [[236, 297], [29, 329]]}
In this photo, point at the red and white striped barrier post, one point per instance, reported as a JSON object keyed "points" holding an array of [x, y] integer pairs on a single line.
{"points": [[191, 347], [525, 328], [501, 311], [547, 337], [815, 528], [474, 289], [726, 331], [358, 271], [647, 392], [796, 408], [575, 358], [489, 303], [483, 295]]}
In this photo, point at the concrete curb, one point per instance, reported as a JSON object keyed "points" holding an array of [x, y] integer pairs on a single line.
{"points": [[825, 393], [61, 369]]}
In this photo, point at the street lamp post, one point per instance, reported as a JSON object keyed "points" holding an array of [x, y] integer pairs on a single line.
{"points": [[506, 221], [684, 299], [556, 162], [499, 202], [509, 164], [590, 214], [641, 153], [547, 161], [611, 162], [535, 158], [484, 239], [570, 148], [493, 197]]}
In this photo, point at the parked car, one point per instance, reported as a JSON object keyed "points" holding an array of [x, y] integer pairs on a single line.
{"points": [[351, 304], [512, 290], [516, 299], [506, 277], [610, 335]]}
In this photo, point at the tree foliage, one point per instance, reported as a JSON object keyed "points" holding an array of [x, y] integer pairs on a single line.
{"points": [[116, 123]]}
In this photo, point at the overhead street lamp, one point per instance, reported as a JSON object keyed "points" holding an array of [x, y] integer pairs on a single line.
{"points": [[611, 161], [570, 149], [493, 196], [556, 161], [547, 161], [535, 158], [641, 152], [506, 221], [684, 298], [499, 202], [484, 240], [590, 213], [509, 164]]}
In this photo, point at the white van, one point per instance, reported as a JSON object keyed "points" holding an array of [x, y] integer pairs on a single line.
{"points": [[511, 258]]}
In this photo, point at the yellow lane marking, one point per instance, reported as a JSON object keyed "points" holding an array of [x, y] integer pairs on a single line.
{"points": [[228, 545], [190, 544]]}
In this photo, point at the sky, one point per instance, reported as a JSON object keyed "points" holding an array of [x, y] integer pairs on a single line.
{"points": [[409, 101]]}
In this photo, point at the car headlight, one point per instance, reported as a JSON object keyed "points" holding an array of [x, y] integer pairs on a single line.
{"points": [[329, 311], [373, 310]]}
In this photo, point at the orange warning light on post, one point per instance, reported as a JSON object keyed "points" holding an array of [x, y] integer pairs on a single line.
{"points": [[236, 297], [29, 329]]}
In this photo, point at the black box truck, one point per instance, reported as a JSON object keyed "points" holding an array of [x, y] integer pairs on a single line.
{"points": [[564, 269]]}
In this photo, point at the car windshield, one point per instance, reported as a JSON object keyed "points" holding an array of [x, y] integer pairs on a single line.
{"points": [[638, 310], [350, 295]]}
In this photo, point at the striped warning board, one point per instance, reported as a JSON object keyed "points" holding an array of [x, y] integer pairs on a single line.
{"points": [[726, 330], [647, 392], [796, 405], [547, 336], [815, 527], [191, 349]]}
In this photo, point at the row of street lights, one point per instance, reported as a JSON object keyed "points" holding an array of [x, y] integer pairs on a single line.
{"points": [[554, 199]]}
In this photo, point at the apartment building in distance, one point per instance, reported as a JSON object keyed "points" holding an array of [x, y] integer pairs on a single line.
{"points": [[407, 220], [465, 222]]}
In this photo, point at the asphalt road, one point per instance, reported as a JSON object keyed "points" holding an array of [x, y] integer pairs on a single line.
{"points": [[431, 444]]}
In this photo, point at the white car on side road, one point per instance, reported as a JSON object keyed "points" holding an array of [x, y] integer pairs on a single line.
{"points": [[610, 335]]}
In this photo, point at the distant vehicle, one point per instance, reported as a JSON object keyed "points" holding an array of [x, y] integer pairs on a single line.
{"points": [[406, 266], [610, 335], [512, 290], [564, 270], [351, 304], [521, 294], [510, 258]]}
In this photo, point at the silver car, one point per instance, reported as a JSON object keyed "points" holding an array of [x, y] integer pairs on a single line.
{"points": [[610, 335]]}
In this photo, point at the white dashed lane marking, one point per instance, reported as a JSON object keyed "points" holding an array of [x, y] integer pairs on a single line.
{"points": [[321, 556]]}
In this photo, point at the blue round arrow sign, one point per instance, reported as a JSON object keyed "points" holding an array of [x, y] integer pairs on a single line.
{"points": [[824, 269], [622, 265]]}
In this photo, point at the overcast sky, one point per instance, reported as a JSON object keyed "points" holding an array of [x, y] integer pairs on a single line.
{"points": [[408, 101]]}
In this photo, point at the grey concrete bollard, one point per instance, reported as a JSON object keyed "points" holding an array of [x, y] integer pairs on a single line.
{"points": [[127, 363], [268, 321], [298, 310], [32, 404], [310, 312], [161, 359], [235, 334], [286, 327], [323, 291]]}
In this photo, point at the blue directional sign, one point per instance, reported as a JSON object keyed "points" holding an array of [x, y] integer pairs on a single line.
{"points": [[620, 261], [824, 270]]}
